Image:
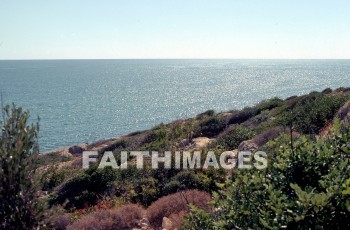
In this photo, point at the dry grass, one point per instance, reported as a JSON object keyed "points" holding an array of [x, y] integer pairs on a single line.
{"points": [[268, 135], [123, 218], [61, 222], [343, 111], [175, 206]]}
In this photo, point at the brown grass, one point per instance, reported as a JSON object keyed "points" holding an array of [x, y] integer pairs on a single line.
{"points": [[343, 111], [61, 222], [175, 206], [125, 217], [268, 135]]}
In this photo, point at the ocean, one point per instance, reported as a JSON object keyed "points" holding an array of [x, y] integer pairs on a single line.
{"points": [[82, 101]]}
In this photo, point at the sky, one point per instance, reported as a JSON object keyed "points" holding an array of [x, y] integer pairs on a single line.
{"points": [[115, 29]]}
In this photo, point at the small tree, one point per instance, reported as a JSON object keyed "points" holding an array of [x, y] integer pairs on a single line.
{"points": [[18, 142]]}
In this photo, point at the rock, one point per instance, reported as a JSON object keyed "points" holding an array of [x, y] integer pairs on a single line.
{"points": [[167, 224], [201, 142], [76, 149], [248, 145], [143, 225], [144, 221]]}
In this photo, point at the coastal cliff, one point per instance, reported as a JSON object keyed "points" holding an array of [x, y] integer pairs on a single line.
{"points": [[159, 198]]}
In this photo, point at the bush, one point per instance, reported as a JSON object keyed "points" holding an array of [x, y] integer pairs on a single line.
{"points": [[200, 220], [61, 222], [125, 217], [327, 91], [157, 139], [239, 117], [159, 133], [232, 137], [211, 127], [52, 178], [120, 145], [269, 104], [173, 186], [139, 186], [145, 191], [18, 145], [343, 115], [309, 114], [268, 134], [183, 181], [176, 203], [85, 188], [306, 186], [208, 113], [49, 159]]}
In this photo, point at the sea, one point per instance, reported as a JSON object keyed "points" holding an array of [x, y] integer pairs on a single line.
{"points": [[83, 101]]}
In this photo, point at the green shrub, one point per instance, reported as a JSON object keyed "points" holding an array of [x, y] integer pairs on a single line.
{"points": [[157, 140], [327, 91], [137, 185], [158, 133], [306, 186], [211, 126], [231, 138], [208, 113], [199, 220], [309, 114], [269, 104], [49, 159], [18, 145], [52, 177], [173, 186], [145, 191], [243, 115], [182, 181], [120, 145], [86, 188]]}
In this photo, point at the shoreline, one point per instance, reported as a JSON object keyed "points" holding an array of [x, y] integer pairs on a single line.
{"points": [[199, 142]]}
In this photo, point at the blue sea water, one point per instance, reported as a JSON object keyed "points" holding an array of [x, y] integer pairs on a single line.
{"points": [[82, 101]]}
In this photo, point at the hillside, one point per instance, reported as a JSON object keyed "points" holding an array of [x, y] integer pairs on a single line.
{"points": [[295, 193]]}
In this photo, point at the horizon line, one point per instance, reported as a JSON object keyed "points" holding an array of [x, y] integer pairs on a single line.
{"points": [[72, 59]]}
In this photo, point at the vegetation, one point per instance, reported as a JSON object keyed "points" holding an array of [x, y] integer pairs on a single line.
{"points": [[175, 204], [18, 145], [125, 218], [306, 183], [305, 186], [85, 188], [309, 114], [231, 138], [182, 181], [211, 126]]}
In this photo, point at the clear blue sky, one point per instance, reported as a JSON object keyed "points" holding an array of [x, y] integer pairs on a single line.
{"points": [[58, 29]]}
